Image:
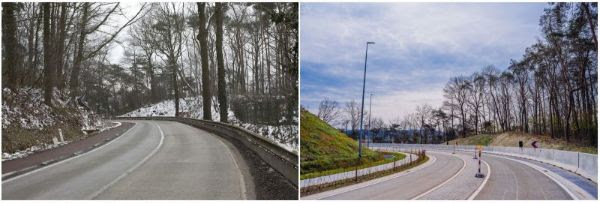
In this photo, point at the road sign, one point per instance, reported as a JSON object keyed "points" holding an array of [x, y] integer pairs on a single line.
{"points": [[534, 144]]}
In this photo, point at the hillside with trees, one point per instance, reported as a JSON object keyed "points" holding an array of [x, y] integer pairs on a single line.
{"points": [[237, 60]]}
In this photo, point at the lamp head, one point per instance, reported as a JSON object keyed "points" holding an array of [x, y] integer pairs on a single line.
{"points": [[370, 42]]}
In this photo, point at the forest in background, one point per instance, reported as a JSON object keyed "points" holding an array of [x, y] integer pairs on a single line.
{"points": [[551, 90], [238, 60]]}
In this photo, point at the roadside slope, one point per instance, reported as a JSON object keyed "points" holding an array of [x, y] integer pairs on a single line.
{"points": [[323, 147], [511, 139]]}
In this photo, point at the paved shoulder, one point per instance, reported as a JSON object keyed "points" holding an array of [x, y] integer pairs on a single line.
{"points": [[584, 184], [511, 180]]}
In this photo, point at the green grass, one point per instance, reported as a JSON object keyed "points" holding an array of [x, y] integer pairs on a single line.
{"points": [[324, 148], [304, 191], [397, 156], [482, 139]]}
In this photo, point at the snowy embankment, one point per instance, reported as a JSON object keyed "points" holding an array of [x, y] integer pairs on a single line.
{"points": [[24, 111], [285, 135]]}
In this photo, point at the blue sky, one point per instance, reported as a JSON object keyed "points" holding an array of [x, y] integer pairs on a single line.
{"points": [[419, 46]]}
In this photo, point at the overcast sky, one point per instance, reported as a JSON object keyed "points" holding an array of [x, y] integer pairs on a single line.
{"points": [[116, 51], [419, 46]]}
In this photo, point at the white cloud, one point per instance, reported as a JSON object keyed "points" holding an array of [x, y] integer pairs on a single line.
{"points": [[419, 46]]}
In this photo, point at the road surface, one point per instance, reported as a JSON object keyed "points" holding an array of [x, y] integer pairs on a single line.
{"points": [[407, 186], [153, 160], [447, 178], [512, 180]]}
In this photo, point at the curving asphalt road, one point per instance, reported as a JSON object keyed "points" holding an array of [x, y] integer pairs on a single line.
{"points": [[447, 178], [153, 160], [512, 180], [410, 185]]}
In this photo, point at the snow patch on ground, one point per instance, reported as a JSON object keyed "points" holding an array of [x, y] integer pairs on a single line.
{"points": [[44, 146], [27, 109], [285, 136], [31, 113], [31, 150]]}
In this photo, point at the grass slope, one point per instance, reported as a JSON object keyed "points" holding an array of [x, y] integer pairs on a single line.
{"points": [[324, 148], [511, 139]]}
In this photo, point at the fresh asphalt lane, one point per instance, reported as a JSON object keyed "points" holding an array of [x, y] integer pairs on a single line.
{"points": [[507, 180], [511, 180], [410, 185], [153, 160]]}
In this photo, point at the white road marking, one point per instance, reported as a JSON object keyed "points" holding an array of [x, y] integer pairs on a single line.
{"points": [[71, 158], [443, 183], [432, 159], [483, 183], [137, 165]]}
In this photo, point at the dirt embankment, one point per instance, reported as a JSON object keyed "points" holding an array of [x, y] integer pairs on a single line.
{"points": [[511, 139], [74, 148]]}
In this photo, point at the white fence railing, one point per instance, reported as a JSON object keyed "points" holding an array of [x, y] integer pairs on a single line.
{"points": [[584, 164], [361, 172]]}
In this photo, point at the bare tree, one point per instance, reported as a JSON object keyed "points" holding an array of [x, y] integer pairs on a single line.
{"points": [[328, 110], [202, 37], [352, 111], [221, 66]]}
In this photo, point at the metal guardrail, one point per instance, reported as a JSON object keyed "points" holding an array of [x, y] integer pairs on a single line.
{"points": [[280, 159]]}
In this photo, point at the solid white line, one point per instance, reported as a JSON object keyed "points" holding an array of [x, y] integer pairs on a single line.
{"points": [[483, 183], [443, 183], [68, 159], [326, 194], [538, 168], [162, 137]]}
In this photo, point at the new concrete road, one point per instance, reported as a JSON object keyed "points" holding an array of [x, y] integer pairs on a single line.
{"points": [[153, 160], [449, 176]]}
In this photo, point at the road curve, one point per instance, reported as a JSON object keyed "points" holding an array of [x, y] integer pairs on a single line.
{"points": [[409, 185], [153, 160], [511, 180]]}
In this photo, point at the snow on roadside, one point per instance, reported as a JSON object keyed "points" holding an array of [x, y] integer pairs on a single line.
{"points": [[44, 146], [285, 136], [31, 150]]}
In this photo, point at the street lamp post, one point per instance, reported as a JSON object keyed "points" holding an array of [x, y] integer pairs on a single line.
{"points": [[362, 105], [369, 136]]}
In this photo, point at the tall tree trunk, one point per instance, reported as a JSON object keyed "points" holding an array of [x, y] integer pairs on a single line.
{"points": [[153, 87], [173, 65], [9, 39], [202, 37], [60, 47], [74, 82], [48, 60], [220, 63]]}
